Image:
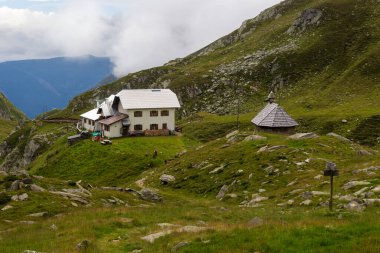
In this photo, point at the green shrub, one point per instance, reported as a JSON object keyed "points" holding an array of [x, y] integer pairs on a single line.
{"points": [[4, 198]]}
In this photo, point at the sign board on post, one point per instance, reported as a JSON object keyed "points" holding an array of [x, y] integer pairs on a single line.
{"points": [[331, 171]]}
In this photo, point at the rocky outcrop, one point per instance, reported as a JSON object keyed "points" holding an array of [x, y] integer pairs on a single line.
{"points": [[307, 18]]}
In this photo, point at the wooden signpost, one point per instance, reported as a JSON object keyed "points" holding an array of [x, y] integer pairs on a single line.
{"points": [[331, 171]]}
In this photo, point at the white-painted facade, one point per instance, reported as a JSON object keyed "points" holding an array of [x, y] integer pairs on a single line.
{"points": [[146, 120], [133, 111], [114, 130]]}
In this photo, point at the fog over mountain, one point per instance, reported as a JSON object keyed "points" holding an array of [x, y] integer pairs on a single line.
{"points": [[134, 34]]}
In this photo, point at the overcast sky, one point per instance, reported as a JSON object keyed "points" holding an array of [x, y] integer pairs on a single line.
{"points": [[135, 34]]}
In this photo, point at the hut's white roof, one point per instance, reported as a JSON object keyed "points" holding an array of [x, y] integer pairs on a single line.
{"points": [[148, 99], [274, 116], [92, 115]]}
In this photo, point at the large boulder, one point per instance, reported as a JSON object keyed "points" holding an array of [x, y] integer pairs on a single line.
{"points": [[165, 179], [149, 195]]}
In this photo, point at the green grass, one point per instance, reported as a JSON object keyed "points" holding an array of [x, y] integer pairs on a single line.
{"points": [[6, 128], [114, 164]]}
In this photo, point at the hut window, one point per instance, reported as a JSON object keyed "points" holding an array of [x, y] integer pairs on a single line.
{"points": [[153, 126], [165, 113], [85, 121], [106, 128], [154, 113], [93, 122], [138, 127], [138, 114], [164, 126]]}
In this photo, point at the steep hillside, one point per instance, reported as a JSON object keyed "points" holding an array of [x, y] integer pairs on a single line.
{"points": [[10, 116], [321, 56], [8, 111], [36, 86]]}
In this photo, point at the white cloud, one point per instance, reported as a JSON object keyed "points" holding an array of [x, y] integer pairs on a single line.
{"points": [[136, 34]]}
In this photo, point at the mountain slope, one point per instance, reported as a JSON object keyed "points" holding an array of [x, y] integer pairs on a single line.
{"points": [[10, 116], [36, 86], [322, 58]]}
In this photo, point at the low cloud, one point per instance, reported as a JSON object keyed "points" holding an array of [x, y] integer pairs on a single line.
{"points": [[135, 34]]}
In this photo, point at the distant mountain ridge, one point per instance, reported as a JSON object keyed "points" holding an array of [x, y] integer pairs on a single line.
{"points": [[36, 86]]}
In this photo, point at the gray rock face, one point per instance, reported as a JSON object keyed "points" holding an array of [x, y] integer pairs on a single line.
{"points": [[222, 192], [339, 137], [352, 184], [165, 179], [15, 186], [36, 188], [306, 202], [149, 195], [255, 137], [300, 136], [354, 206], [178, 246], [307, 18]]}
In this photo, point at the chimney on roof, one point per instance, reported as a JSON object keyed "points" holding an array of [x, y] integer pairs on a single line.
{"points": [[271, 97]]}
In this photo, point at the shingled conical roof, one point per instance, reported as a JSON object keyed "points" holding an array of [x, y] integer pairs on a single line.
{"points": [[273, 116]]}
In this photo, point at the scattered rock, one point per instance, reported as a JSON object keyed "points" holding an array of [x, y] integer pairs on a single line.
{"points": [[28, 222], [339, 137], [307, 195], [83, 245], [352, 184], [255, 222], [354, 206], [367, 170], [31, 251], [293, 182], [344, 121], [165, 179], [270, 149], [318, 177], [255, 137], [178, 246], [376, 189], [53, 227], [361, 191], [319, 193], [364, 152], [269, 169], [149, 195], [21, 197], [346, 198], [7, 207], [217, 170], [15, 186], [306, 202], [41, 214], [3, 173], [232, 134], [152, 237], [371, 201], [191, 229], [222, 192], [301, 136], [27, 181], [36, 188]]}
